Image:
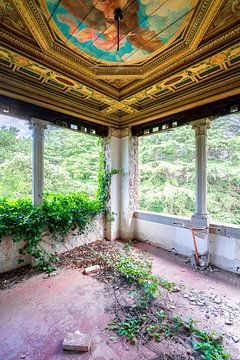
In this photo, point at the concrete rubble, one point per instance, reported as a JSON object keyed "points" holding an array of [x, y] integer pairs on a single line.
{"points": [[92, 269], [77, 341]]}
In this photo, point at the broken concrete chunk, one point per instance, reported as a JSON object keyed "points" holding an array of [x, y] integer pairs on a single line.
{"points": [[77, 341], [235, 339], [229, 322], [217, 300], [176, 289], [92, 269]]}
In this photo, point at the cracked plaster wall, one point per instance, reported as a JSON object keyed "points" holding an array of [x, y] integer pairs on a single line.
{"points": [[9, 250]]}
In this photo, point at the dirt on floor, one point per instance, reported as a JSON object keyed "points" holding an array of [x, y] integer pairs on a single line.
{"points": [[77, 258], [209, 296]]}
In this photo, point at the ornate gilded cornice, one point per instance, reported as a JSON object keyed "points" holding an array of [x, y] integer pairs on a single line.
{"points": [[50, 73]]}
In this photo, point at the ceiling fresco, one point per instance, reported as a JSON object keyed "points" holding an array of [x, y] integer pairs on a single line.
{"points": [[146, 27], [191, 56]]}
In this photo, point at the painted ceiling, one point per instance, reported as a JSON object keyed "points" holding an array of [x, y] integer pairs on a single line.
{"points": [[146, 27], [174, 55]]}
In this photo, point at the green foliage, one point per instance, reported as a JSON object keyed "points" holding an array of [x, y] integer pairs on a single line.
{"points": [[104, 181], [132, 267], [208, 345], [167, 171], [138, 268], [70, 161], [58, 213], [141, 321], [15, 163], [129, 328]]}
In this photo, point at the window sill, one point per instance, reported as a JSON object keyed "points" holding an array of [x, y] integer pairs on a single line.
{"points": [[228, 230]]}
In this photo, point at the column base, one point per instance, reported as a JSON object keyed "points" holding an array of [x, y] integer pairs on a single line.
{"points": [[200, 220], [202, 238]]}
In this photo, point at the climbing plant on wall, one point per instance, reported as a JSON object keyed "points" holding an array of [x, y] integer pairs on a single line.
{"points": [[57, 214]]}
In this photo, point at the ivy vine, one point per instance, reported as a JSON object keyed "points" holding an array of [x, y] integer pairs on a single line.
{"points": [[57, 214]]}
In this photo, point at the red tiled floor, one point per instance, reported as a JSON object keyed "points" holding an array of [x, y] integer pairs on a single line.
{"points": [[36, 314]]}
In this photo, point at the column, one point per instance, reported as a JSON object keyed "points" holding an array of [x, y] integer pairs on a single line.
{"points": [[38, 127], [129, 182], [201, 218], [201, 128], [121, 151], [112, 156]]}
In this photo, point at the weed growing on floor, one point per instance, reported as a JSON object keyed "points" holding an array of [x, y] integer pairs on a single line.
{"points": [[208, 345], [147, 319]]}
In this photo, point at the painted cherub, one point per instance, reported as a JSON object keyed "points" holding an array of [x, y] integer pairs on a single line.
{"points": [[98, 16]]}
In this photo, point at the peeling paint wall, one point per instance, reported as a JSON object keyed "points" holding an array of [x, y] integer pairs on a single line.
{"points": [[9, 255], [224, 250], [9, 250]]}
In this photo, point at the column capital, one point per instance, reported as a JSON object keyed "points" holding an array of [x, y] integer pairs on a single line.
{"points": [[201, 126], [38, 122], [119, 132]]}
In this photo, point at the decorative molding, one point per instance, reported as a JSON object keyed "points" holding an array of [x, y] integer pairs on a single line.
{"points": [[119, 132], [152, 74], [55, 76], [220, 89], [201, 126]]}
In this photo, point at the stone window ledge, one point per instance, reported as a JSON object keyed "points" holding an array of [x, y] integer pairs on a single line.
{"points": [[228, 230]]}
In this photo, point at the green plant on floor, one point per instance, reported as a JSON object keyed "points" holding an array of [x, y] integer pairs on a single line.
{"points": [[129, 328], [145, 319], [138, 268], [208, 345]]}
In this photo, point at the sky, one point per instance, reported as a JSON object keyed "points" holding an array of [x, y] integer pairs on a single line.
{"points": [[22, 125]]}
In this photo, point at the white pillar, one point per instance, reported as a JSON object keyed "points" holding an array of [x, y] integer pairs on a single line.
{"points": [[129, 181], [111, 146], [121, 152], [38, 127], [201, 218], [201, 128]]}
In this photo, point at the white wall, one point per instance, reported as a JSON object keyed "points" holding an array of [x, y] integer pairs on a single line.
{"points": [[9, 250], [168, 232], [9, 255]]}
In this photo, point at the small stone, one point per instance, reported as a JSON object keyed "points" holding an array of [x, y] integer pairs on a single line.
{"points": [[77, 341], [217, 300], [176, 289], [133, 341], [54, 273], [23, 356], [217, 337], [200, 303], [91, 269], [192, 298], [235, 339], [207, 316], [228, 322], [185, 296]]}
